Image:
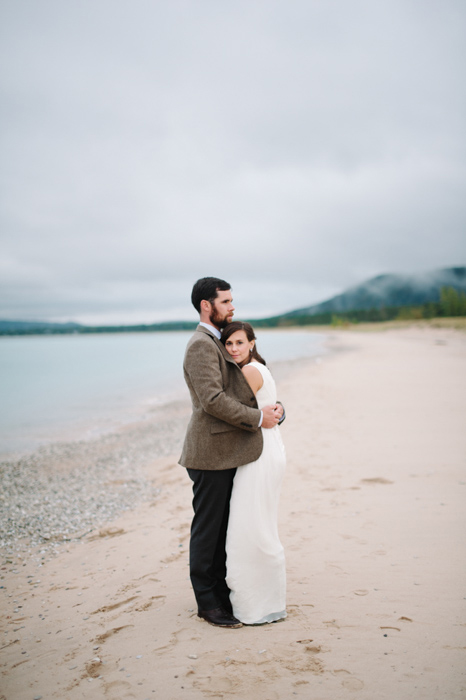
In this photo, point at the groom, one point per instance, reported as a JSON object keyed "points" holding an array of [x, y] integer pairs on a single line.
{"points": [[223, 434]]}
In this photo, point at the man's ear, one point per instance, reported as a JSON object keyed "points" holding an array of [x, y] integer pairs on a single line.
{"points": [[205, 305]]}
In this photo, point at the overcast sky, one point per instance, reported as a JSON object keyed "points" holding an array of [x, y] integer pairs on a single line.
{"points": [[292, 147]]}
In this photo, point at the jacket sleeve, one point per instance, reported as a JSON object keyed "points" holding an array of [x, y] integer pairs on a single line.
{"points": [[283, 414], [203, 371]]}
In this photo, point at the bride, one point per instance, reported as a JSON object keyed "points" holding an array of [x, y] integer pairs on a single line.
{"points": [[256, 573]]}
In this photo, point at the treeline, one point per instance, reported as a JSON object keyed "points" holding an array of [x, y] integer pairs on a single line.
{"points": [[141, 328], [451, 303], [19, 328]]}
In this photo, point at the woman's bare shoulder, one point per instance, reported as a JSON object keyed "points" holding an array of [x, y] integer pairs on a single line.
{"points": [[254, 376]]}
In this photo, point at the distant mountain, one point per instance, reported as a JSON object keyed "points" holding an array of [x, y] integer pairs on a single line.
{"points": [[390, 290], [383, 292]]}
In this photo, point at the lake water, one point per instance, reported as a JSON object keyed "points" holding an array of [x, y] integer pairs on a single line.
{"points": [[75, 386]]}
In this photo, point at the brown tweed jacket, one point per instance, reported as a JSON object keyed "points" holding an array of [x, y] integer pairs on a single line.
{"points": [[223, 431]]}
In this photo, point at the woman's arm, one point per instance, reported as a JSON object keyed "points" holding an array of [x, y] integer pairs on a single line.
{"points": [[253, 377]]}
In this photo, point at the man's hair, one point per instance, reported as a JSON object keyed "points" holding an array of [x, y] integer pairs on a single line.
{"points": [[207, 288]]}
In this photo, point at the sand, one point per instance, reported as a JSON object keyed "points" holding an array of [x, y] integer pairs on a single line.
{"points": [[373, 522]]}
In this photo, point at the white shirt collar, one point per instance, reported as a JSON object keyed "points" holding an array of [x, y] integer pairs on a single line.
{"points": [[212, 329]]}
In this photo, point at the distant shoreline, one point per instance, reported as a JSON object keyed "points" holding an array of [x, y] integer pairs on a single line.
{"points": [[72, 387], [339, 323]]}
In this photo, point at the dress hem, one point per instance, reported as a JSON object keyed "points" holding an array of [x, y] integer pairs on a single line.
{"points": [[273, 617]]}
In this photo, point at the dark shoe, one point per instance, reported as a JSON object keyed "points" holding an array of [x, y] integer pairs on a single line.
{"points": [[220, 618]]}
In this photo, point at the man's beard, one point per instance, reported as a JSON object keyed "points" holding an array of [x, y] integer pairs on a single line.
{"points": [[219, 322]]}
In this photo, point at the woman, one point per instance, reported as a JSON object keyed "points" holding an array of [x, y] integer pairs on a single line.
{"points": [[256, 573]]}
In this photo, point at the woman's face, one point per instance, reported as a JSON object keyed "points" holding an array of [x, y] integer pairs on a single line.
{"points": [[239, 347]]}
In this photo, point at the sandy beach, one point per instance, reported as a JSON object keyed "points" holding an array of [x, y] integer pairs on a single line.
{"points": [[373, 521]]}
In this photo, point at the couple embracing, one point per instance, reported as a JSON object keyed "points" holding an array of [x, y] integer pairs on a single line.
{"points": [[235, 458]]}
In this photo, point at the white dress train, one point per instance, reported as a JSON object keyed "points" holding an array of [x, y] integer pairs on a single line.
{"points": [[256, 572]]}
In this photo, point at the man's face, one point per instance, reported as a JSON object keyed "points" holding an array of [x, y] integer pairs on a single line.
{"points": [[221, 313]]}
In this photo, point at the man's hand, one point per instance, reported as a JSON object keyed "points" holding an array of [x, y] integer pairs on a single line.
{"points": [[271, 415]]}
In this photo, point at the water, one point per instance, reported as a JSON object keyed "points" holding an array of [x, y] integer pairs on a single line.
{"points": [[77, 386]]}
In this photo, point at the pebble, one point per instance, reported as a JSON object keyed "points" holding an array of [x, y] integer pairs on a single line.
{"points": [[63, 491], [192, 656]]}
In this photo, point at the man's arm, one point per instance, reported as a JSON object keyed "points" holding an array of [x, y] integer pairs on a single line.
{"points": [[203, 372], [282, 412]]}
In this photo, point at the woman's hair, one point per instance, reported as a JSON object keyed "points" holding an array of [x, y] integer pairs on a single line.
{"points": [[248, 329]]}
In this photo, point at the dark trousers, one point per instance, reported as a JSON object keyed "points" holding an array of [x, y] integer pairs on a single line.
{"points": [[211, 505]]}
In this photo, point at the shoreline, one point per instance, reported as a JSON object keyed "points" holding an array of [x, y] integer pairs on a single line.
{"points": [[44, 405], [371, 518], [67, 489]]}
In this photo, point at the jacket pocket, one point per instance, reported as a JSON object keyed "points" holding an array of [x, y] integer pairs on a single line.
{"points": [[219, 426]]}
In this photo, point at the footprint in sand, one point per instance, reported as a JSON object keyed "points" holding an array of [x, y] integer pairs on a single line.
{"points": [[172, 557], [329, 565], [349, 683], [107, 532], [215, 685], [115, 690], [247, 674], [332, 623], [103, 637], [391, 628], [311, 648], [152, 576], [376, 480], [298, 610], [114, 606], [304, 662], [186, 635], [353, 684], [93, 668]]}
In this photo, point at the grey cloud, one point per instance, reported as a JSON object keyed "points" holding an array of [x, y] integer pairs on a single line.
{"points": [[301, 146]]}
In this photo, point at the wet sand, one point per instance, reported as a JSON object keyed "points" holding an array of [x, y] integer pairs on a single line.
{"points": [[372, 519]]}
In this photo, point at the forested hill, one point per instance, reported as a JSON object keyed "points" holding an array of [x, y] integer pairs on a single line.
{"points": [[390, 291], [437, 293]]}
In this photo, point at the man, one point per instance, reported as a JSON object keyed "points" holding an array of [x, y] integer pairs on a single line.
{"points": [[223, 434]]}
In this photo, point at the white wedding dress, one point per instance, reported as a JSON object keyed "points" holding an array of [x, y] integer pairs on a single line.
{"points": [[256, 572]]}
